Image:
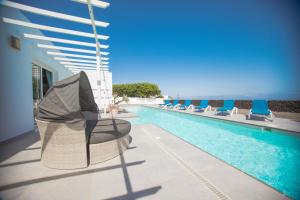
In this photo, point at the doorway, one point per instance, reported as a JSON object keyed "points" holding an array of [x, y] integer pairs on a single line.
{"points": [[42, 80]]}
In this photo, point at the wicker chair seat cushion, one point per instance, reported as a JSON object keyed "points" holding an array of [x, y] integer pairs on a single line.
{"points": [[107, 129]]}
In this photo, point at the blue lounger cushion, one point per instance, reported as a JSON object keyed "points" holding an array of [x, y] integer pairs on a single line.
{"points": [[260, 107], [261, 112], [228, 105], [165, 103], [203, 104]]}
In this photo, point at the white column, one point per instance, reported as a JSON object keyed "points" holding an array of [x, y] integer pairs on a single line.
{"points": [[99, 81]]}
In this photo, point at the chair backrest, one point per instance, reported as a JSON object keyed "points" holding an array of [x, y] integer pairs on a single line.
{"points": [[167, 101], [187, 102], [228, 104], [175, 102], [260, 105], [204, 103]]}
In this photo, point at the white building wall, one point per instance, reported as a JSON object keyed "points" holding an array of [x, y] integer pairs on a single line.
{"points": [[16, 103], [106, 87]]}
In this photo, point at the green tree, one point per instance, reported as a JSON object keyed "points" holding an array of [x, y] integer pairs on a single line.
{"points": [[144, 90]]}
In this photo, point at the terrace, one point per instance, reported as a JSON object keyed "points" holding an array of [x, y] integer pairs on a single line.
{"points": [[157, 165], [165, 157]]}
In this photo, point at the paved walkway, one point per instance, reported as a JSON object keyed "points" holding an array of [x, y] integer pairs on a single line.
{"points": [[157, 165]]}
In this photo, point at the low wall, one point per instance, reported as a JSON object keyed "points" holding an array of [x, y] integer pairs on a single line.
{"points": [[274, 105], [143, 101]]}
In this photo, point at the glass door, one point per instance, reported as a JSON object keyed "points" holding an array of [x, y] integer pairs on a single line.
{"points": [[42, 80]]}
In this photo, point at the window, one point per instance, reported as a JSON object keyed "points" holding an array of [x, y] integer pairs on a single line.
{"points": [[46, 80], [42, 80], [36, 82]]}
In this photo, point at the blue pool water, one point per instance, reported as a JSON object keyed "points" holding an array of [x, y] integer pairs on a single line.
{"points": [[271, 156]]}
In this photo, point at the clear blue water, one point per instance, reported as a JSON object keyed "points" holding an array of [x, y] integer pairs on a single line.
{"points": [[271, 156]]}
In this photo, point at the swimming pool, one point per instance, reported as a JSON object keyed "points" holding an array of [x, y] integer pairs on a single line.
{"points": [[271, 156]]}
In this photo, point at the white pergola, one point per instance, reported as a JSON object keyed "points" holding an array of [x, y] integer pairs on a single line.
{"points": [[73, 60]]}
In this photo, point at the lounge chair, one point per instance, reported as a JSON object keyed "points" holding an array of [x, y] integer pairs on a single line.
{"points": [[228, 107], [186, 106], [203, 106], [71, 134], [166, 102], [173, 105], [260, 109]]}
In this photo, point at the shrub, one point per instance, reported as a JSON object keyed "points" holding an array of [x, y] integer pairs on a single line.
{"points": [[144, 90]]}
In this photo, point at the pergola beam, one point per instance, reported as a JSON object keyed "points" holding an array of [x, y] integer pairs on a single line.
{"points": [[70, 55], [53, 29], [75, 60], [104, 58], [97, 3], [78, 60], [78, 67], [78, 64], [74, 55], [51, 13], [45, 46], [64, 41]]}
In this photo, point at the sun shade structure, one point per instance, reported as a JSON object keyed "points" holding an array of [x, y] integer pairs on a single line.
{"points": [[97, 3], [53, 29], [67, 99], [63, 41], [52, 14], [95, 56]]}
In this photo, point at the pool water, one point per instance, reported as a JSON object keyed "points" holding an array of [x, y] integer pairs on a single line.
{"points": [[271, 156]]}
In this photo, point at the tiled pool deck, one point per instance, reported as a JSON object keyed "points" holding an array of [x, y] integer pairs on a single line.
{"points": [[278, 123], [157, 165]]}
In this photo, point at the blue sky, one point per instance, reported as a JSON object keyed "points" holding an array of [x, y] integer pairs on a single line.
{"points": [[197, 48]]}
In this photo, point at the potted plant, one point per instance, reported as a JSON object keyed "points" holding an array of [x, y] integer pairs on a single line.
{"points": [[114, 108]]}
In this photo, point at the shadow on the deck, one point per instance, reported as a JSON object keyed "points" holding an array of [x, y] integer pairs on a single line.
{"points": [[51, 178], [19, 163], [23, 144], [130, 194], [17, 144]]}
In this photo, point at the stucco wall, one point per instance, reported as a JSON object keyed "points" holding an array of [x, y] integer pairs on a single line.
{"points": [[16, 104], [106, 89]]}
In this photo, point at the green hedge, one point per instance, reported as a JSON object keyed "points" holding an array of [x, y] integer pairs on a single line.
{"points": [[144, 90]]}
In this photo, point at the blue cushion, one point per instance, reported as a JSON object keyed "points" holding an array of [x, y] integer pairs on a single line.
{"points": [[203, 104], [260, 112], [167, 102], [260, 107], [228, 105], [175, 102], [187, 102], [223, 109]]}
